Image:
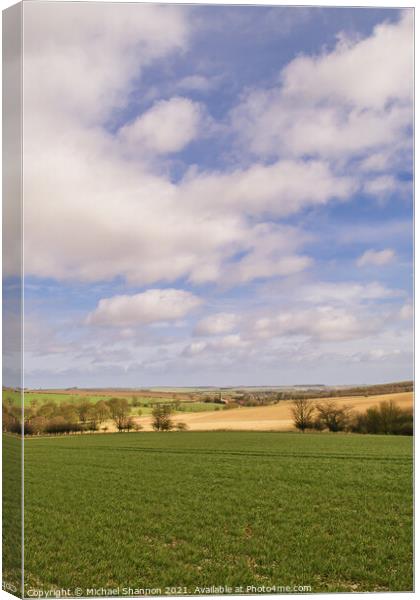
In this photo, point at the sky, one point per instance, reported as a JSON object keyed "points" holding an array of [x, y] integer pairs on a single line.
{"points": [[216, 195]]}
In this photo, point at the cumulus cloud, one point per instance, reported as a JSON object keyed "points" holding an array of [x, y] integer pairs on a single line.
{"points": [[96, 56], [102, 203], [280, 189], [376, 258], [96, 210], [122, 212], [324, 323], [168, 126], [353, 72], [148, 307], [336, 104]]}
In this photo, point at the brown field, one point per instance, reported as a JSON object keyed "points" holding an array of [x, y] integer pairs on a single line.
{"points": [[270, 418]]}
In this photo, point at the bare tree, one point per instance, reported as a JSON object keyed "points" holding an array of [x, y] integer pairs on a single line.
{"points": [[84, 409], [120, 410], [333, 416], [302, 411], [162, 417], [101, 412]]}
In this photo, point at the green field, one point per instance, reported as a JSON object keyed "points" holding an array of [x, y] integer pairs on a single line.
{"points": [[12, 512], [199, 406], [41, 398], [146, 403], [199, 509]]}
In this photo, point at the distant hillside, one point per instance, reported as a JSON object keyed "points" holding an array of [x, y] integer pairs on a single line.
{"points": [[361, 390]]}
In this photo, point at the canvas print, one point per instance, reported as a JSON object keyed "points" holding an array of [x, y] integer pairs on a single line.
{"points": [[207, 299]]}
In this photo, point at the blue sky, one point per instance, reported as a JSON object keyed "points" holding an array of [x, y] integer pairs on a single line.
{"points": [[217, 195]]}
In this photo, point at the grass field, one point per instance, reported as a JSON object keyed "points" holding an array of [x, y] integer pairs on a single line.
{"points": [[12, 512], [160, 510], [146, 402]]}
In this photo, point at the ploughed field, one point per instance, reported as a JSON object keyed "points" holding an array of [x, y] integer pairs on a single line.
{"points": [[177, 512]]}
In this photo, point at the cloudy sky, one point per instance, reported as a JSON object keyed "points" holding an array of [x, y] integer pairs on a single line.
{"points": [[217, 195]]}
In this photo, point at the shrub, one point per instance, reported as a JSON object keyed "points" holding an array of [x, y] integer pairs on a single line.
{"points": [[406, 425], [386, 418], [180, 426], [60, 425], [135, 402], [92, 426], [12, 419], [129, 424], [37, 424], [358, 423], [318, 424], [28, 428]]}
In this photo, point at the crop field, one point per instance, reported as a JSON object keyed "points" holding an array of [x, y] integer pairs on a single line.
{"points": [[12, 511], [199, 407], [276, 417], [190, 510], [145, 401]]}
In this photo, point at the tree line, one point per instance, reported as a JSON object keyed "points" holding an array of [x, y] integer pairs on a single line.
{"points": [[385, 418], [82, 417], [272, 396]]}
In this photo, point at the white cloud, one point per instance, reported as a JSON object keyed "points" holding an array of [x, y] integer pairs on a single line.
{"points": [[281, 189], [100, 205], [98, 51], [216, 324], [345, 292], [95, 210], [339, 103], [378, 161], [97, 218], [198, 83], [258, 265], [323, 323], [353, 72], [220, 345], [380, 186], [376, 258], [168, 126], [148, 307]]}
